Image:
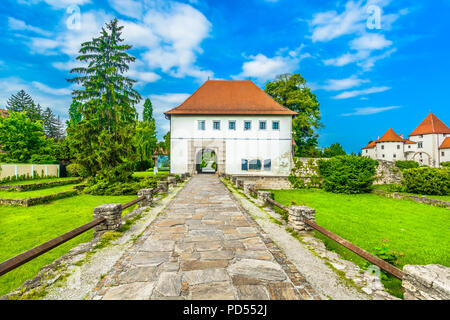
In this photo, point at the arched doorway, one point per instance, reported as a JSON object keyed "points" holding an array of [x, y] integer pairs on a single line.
{"points": [[422, 158], [206, 161]]}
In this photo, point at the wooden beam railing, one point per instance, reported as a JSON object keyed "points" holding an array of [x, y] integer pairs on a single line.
{"points": [[346, 244], [26, 256]]}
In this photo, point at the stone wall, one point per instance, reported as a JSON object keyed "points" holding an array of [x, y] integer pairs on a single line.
{"points": [[266, 182], [430, 282], [38, 200], [388, 173], [35, 186], [420, 199]]}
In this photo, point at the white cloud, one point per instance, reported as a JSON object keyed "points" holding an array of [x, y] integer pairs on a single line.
{"points": [[169, 36], [52, 98], [129, 8], [342, 84], [263, 68], [372, 41], [356, 93], [19, 25], [369, 110]]}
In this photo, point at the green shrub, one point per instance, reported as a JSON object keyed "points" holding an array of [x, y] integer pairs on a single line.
{"points": [[348, 174], [76, 170], [131, 187], [409, 164], [445, 164], [429, 181]]}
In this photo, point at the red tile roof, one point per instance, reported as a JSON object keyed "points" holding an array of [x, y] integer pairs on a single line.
{"points": [[371, 145], [230, 97], [431, 124], [4, 113], [407, 141], [445, 144], [390, 136]]}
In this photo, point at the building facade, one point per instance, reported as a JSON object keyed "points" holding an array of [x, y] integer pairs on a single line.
{"points": [[428, 144], [231, 127]]}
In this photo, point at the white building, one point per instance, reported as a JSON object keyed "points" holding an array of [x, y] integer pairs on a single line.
{"points": [[428, 144], [247, 131]]}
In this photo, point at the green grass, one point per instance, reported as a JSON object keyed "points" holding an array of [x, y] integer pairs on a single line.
{"points": [[385, 187], [144, 174], [420, 232], [35, 193], [22, 229], [33, 181]]}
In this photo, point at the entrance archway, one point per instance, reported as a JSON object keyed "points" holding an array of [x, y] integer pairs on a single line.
{"points": [[206, 161], [422, 158]]}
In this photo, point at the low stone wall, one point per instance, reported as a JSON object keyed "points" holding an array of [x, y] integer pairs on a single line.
{"points": [[420, 199], [264, 182], [35, 186], [388, 173], [38, 200], [429, 282]]}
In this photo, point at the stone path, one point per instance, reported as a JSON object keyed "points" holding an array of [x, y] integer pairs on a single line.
{"points": [[204, 247]]}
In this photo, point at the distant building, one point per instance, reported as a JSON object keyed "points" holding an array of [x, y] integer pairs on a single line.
{"points": [[428, 144], [4, 113], [237, 124]]}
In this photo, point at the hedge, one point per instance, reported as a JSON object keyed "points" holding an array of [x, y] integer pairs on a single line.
{"points": [[428, 181], [348, 174]]}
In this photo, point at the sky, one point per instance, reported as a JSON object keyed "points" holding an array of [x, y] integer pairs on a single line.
{"points": [[374, 65]]}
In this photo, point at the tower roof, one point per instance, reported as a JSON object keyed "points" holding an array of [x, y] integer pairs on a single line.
{"points": [[431, 124], [391, 136], [230, 97]]}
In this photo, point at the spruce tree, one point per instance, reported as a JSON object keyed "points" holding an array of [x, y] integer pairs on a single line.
{"points": [[75, 115], [102, 140], [22, 102], [50, 124]]}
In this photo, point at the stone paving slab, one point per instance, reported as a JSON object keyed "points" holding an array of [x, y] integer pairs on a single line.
{"points": [[204, 247]]}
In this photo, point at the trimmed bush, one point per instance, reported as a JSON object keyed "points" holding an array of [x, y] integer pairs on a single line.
{"points": [[348, 174], [76, 170], [409, 164], [122, 188], [445, 164], [429, 181]]}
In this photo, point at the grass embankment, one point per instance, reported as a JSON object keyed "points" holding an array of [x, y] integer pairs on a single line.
{"points": [[419, 232], [35, 193], [386, 187], [22, 229], [34, 181]]}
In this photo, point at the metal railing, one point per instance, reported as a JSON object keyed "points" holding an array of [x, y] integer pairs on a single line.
{"points": [[389, 268]]}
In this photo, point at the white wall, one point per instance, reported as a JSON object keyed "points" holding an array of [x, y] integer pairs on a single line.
{"points": [[240, 144], [446, 156], [389, 149], [431, 144]]}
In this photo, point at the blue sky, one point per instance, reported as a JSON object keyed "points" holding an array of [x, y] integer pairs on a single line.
{"points": [[372, 64]]}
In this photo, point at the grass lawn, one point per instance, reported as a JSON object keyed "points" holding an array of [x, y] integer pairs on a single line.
{"points": [[420, 232], [35, 193], [143, 174], [385, 187], [22, 229], [33, 181]]}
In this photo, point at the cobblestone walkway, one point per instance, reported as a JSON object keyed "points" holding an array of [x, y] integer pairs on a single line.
{"points": [[204, 247]]}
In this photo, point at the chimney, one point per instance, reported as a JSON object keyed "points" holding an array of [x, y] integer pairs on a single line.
{"points": [[401, 136]]}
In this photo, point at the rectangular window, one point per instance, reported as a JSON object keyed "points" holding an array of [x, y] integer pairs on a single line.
{"points": [[419, 145], [383, 155], [409, 147], [244, 164], [275, 125], [395, 156], [247, 125], [262, 125], [398, 147], [267, 165], [443, 153], [382, 147], [232, 125], [201, 125], [216, 125], [254, 165]]}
